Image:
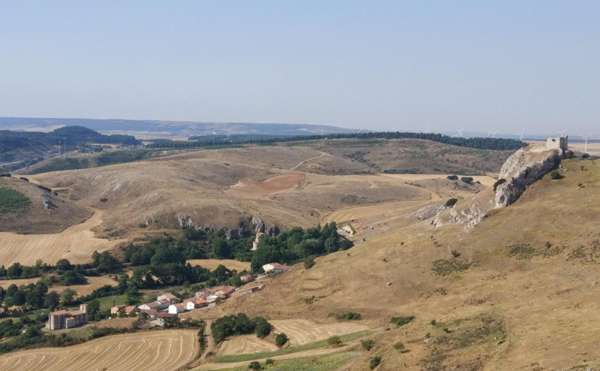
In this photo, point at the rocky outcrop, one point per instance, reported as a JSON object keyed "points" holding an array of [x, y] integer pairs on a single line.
{"points": [[522, 169]]}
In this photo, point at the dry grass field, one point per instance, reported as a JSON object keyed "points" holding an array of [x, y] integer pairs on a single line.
{"points": [[76, 243], [155, 350], [303, 331], [245, 344], [211, 264], [36, 218], [517, 292], [93, 283]]}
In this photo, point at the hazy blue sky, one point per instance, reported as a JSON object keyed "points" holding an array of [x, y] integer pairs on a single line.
{"points": [[420, 65]]}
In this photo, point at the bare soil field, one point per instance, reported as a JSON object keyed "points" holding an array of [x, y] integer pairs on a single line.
{"points": [[76, 243], [211, 264], [274, 184], [93, 283], [154, 350]]}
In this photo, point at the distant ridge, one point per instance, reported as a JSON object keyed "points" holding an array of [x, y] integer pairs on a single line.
{"points": [[169, 129]]}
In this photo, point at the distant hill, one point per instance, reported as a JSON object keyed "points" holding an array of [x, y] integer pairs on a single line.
{"points": [[169, 129], [20, 148]]}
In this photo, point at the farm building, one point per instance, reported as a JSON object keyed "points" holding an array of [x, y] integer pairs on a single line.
{"points": [[223, 291], [193, 303], [247, 278], [155, 305], [177, 308], [274, 268], [167, 298], [67, 319]]}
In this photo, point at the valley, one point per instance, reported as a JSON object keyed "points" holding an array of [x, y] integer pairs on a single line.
{"points": [[419, 287]]}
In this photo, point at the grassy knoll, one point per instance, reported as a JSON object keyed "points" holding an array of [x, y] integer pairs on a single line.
{"points": [[12, 201], [294, 349]]}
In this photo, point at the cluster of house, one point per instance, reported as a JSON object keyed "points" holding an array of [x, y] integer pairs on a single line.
{"points": [[167, 305], [62, 319]]}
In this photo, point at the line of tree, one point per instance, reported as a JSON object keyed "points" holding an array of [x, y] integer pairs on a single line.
{"points": [[219, 141]]}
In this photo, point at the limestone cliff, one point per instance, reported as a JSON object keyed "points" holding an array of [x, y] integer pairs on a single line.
{"points": [[522, 169]]}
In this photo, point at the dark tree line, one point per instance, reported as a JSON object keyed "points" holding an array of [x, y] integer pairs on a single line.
{"points": [[219, 141]]}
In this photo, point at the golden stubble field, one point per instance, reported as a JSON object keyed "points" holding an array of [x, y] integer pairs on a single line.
{"points": [[154, 350], [76, 243]]}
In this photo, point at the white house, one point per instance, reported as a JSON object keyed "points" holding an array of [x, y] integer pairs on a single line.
{"points": [[176, 308], [273, 268], [189, 304]]}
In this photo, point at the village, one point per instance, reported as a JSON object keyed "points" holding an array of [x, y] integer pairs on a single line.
{"points": [[167, 305]]}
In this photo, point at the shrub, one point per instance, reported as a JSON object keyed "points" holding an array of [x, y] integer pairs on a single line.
{"points": [[467, 179], [309, 262], [556, 175], [281, 339], [335, 341], [452, 177], [367, 344], [269, 362], [399, 346], [445, 267], [254, 366], [498, 183], [374, 362], [348, 316], [451, 202], [402, 320]]}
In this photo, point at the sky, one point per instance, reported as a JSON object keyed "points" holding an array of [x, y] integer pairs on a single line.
{"points": [[487, 66]]}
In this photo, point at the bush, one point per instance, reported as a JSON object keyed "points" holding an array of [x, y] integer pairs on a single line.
{"points": [[309, 262], [281, 339], [374, 362], [348, 316], [467, 179], [335, 341], [269, 362], [254, 366], [367, 344], [402, 320], [451, 202], [452, 177], [556, 175]]}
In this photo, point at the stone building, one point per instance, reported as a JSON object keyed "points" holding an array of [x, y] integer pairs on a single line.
{"points": [[561, 143], [67, 319]]}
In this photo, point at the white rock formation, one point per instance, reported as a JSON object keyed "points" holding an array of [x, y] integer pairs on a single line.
{"points": [[522, 169]]}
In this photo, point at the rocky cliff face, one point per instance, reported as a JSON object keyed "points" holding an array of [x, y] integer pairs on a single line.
{"points": [[521, 170]]}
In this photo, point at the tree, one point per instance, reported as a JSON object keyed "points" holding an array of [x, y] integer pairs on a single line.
{"points": [[67, 297], [263, 328], [63, 265], [133, 295], [93, 310], [221, 249], [105, 262], [52, 300], [14, 271], [73, 278], [281, 339]]}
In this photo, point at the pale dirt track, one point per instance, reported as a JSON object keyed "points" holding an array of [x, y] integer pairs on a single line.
{"points": [[155, 350], [76, 243]]}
